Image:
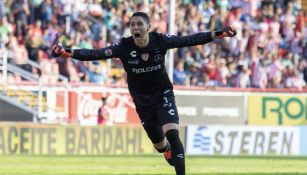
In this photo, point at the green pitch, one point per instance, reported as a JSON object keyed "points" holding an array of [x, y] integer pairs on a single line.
{"points": [[149, 165]]}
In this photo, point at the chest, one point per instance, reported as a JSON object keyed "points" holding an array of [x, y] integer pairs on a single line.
{"points": [[139, 62], [151, 55]]}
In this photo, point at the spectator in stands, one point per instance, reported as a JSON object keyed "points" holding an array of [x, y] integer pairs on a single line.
{"points": [[3, 9], [95, 73], [294, 80], [210, 68], [72, 72], [223, 73], [34, 6], [20, 11], [17, 54], [50, 72], [5, 31], [275, 72], [303, 69], [180, 76], [263, 27], [45, 11], [241, 79]]}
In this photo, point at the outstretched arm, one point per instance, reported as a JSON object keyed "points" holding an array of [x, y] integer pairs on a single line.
{"points": [[171, 41], [112, 51]]}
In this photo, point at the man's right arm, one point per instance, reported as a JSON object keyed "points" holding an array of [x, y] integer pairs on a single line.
{"points": [[172, 41], [113, 51]]}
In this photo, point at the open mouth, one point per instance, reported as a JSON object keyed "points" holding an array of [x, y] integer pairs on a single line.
{"points": [[137, 34]]}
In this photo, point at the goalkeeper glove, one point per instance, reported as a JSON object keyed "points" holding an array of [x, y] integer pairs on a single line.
{"points": [[226, 32], [57, 50]]}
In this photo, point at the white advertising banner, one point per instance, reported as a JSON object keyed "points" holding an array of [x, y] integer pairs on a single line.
{"points": [[120, 108], [210, 108], [242, 140]]}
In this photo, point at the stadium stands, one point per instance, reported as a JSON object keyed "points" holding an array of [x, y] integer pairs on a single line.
{"points": [[268, 52]]}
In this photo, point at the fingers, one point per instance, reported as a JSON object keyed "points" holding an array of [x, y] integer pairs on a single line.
{"points": [[224, 34], [230, 32], [66, 55], [56, 50]]}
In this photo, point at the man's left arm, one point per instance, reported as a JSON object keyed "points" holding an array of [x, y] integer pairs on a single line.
{"points": [[113, 51], [172, 41]]}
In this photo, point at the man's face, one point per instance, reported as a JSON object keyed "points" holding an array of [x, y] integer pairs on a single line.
{"points": [[138, 28]]}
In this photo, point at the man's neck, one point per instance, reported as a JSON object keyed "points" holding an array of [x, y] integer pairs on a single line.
{"points": [[142, 43]]}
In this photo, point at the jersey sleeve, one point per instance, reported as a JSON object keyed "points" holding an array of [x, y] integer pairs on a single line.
{"points": [[173, 41], [113, 51]]}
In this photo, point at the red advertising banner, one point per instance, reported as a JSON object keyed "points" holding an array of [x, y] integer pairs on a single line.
{"points": [[84, 106]]}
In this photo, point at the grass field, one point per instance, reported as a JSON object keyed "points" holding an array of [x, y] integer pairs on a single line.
{"points": [[148, 165]]}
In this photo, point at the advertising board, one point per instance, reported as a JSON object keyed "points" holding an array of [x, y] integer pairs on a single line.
{"points": [[243, 140], [73, 140], [277, 109], [210, 108], [303, 141], [84, 106]]}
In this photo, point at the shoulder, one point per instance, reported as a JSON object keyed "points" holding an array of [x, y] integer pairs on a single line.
{"points": [[155, 35], [126, 40], [122, 43], [158, 37]]}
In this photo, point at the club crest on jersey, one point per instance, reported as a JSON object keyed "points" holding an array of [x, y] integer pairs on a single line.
{"points": [[108, 52], [145, 56]]}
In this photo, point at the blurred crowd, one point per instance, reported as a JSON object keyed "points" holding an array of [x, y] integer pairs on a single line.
{"points": [[269, 51]]}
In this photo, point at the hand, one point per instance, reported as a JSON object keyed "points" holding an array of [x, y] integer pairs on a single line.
{"points": [[58, 50], [226, 32], [229, 31]]}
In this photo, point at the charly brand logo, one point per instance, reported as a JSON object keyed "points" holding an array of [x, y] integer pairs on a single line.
{"points": [[133, 53], [145, 56], [201, 141], [171, 112], [180, 156]]}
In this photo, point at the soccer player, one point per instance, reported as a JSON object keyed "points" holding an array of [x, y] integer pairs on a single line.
{"points": [[143, 57]]}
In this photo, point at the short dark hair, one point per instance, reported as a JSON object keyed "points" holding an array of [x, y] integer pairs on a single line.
{"points": [[142, 15]]}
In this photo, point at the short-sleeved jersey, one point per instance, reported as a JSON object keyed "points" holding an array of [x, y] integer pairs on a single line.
{"points": [[145, 67]]}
